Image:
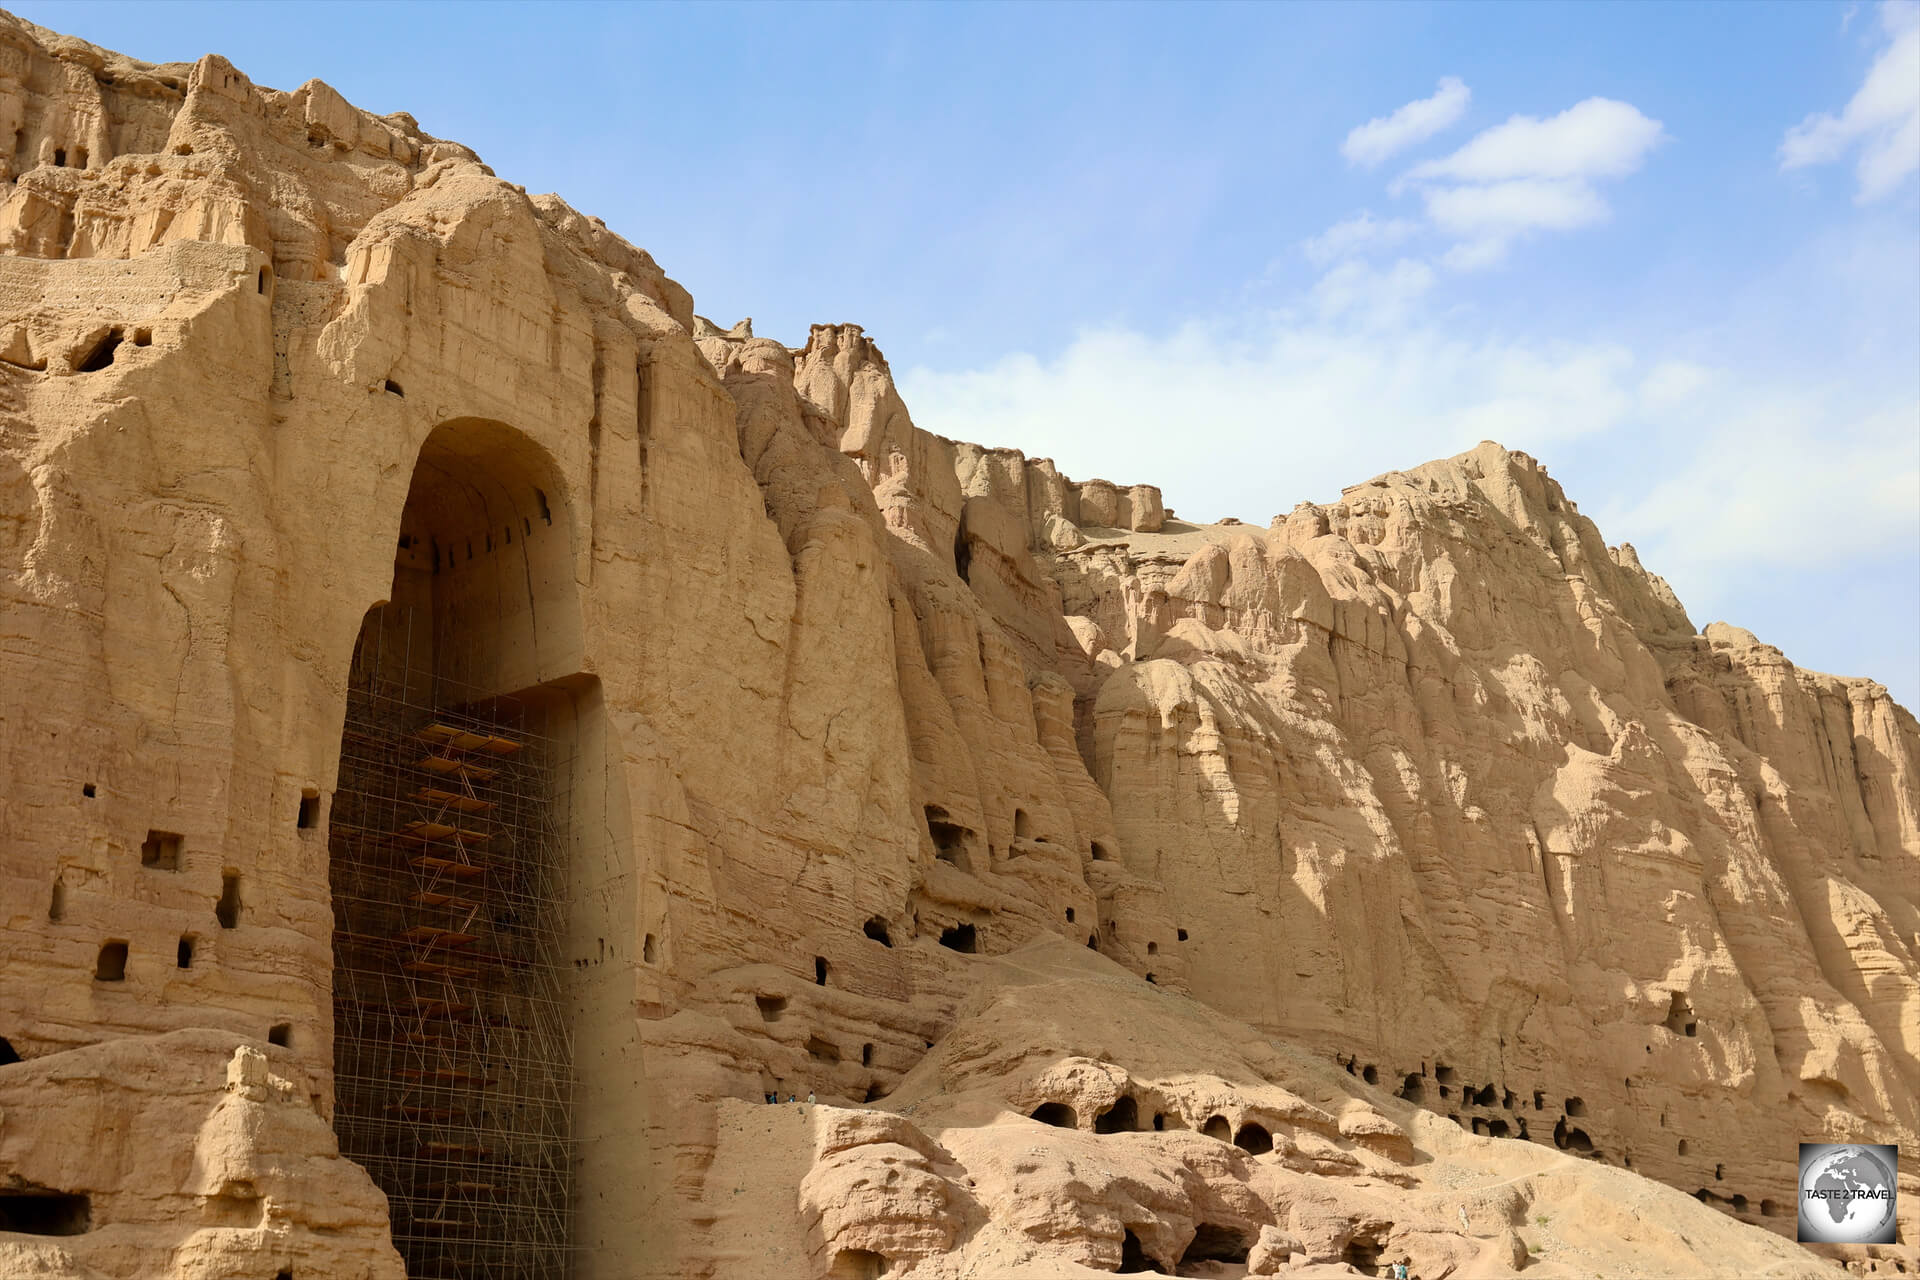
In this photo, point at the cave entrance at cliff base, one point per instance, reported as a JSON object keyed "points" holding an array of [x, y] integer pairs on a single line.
{"points": [[448, 845]]}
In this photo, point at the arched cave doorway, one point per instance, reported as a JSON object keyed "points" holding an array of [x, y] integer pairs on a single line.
{"points": [[449, 845]]}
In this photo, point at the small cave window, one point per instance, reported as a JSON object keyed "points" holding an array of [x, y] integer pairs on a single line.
{"points": [[59, 157], [1153, 980], [79, 157], [100, 355], [1680, 1016], [1769, 1209], [1159, 1121], [961, 937], [1057, 1114], [866, 1055], [771, 1007], [1371, 1074], [57, 904], [1719, 1173], [1442, 1073], [143, 337], [1181, 934], [819, 971], [1412, 1088], [183, 954], [281, 1033], [1122, 1117], [1214, 1244], [36, 1211], [857, 1264], [1153, 948], [1217, 1128], [1498, 1129], [1253, 1139], [1739, 1203], [88, 791], [822, 1049], [266, 273], [392, 388], [949, 838], [1506, 1100], [111, 966], [1568, 1138], [161, 851], [875, 1092], [1069, 915], [1539, 1099], [309, 816], [1093, 943], [649, 950], [227, 909], [1483, 1096], [876, 928], [1575, 1107], [1100, 853], [1022, 825], [8, 1054], [1479, 1126]]}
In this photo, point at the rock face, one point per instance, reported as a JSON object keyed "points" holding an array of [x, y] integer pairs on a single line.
{"points": [[1424, 844]]}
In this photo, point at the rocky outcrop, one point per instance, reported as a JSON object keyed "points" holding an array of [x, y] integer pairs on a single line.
{"points": [[188, 1154], [1419, 832]]}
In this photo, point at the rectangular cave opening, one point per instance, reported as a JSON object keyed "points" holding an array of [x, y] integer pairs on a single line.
{"points": [[453, 1054], [36, 1211], [160, 851]]}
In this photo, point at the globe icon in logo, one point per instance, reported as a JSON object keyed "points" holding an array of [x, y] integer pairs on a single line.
{"points": [[1847, 1194]]}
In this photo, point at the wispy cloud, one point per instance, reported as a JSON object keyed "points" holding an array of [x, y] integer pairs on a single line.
{"points": [[1530, 174], [1598, 138], [1882, 120], [1358, 234], [1378, 140]]}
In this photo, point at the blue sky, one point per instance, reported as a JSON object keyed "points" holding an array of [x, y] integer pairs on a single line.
{"points": [[1253, 253]]}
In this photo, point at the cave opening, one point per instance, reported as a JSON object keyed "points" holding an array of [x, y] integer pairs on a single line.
{"points": [[468, 727], [1254, 1139], [1212, 1243], [1680, 1016], [1122, 1117], [37, 1211], [1133, 1258], [1057, 1114]]}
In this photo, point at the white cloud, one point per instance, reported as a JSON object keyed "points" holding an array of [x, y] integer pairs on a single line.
{"points": [[1379, 139], [1354, 235], [1882, 119], [1530, 175], [1502, 208], [1598, 138]]}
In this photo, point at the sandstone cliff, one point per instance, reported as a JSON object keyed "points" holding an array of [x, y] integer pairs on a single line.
{"points": [[1450, 891]]}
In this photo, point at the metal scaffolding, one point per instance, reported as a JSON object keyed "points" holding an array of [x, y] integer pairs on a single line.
{"points": [[452, 1055]]}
